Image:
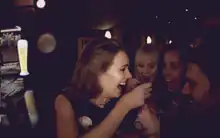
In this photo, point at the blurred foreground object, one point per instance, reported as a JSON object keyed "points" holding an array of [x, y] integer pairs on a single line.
{"points": [[46, 43]]}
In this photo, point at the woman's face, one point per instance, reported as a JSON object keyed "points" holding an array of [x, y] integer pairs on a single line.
{"points": [[116, 76], [173, 70], [146, 65]]}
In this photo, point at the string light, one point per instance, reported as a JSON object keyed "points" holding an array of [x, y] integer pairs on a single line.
{"points": [[170, 42], [108, 34], [41, 4], [195, 18], [186, 10]]}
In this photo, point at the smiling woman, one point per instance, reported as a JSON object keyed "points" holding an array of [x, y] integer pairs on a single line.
{"points": [[95, 98]]}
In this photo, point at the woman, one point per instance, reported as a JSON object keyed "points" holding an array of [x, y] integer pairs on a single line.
{"points": [[188, 87], [146, 65], [147, 69], [183, 76], [98, 79]]}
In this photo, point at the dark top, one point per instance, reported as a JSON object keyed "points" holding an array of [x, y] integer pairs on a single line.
{"points": [[87, 111]]}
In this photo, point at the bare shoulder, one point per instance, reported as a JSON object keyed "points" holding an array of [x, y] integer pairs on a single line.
{"points": [[63, 107]]}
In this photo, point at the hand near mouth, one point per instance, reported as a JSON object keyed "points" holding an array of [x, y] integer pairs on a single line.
{"points": [[202, 84], [131, 84]]}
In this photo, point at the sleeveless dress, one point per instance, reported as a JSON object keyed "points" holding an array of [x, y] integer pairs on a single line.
{"points": [[89, 115]]}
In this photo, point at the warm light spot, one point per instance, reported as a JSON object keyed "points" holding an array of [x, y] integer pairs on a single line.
{"points": [[108, 34], [41, 4], [149, 40]]}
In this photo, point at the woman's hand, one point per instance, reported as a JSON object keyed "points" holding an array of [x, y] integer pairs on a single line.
{"points": [[193, 72], [131, 84], [201, 83], [137, 96], [149, 121]]}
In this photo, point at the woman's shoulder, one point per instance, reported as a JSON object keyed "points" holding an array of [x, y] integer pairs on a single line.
{"points": [[63, 106]]}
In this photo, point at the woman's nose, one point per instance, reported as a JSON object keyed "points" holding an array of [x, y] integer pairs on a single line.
{"points": [[128, 76]]}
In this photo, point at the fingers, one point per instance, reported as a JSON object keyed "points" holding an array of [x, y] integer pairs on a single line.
{"points": [[146, 85], [145, 107], [147, 93], [134, 83]]}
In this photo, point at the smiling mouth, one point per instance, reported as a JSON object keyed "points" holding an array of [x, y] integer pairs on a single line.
{"points": [[121, 86]]}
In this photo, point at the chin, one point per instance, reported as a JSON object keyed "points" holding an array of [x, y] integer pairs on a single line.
{"points": [[117, 95]]}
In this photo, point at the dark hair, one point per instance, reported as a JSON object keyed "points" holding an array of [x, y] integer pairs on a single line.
{"points": [[181, 49], [96, 58]]}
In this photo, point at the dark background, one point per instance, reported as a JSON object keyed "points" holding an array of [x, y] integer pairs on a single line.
{"points": [[70, 19]]}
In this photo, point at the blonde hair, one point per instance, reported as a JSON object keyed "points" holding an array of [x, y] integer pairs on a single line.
{"points": [[147, 49]]}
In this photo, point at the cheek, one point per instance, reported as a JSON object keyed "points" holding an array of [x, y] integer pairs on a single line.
{"points": [[119, 77], [114, 79], [154, 70], [177, 74], [139, 69]]}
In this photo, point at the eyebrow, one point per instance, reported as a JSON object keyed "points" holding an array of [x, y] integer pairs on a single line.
{"points": [[126, 65]]}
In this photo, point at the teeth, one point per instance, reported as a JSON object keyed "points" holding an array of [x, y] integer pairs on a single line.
{"points": [[123, 83]]}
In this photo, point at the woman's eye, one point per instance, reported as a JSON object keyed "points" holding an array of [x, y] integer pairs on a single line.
{"points": [[140, 65], [152, 66]]}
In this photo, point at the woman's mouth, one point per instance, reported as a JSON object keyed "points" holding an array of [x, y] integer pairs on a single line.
{"points": [[121, 86], [145, 79]]}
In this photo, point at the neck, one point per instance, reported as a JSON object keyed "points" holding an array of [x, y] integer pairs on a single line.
{"points": [[100, 101]]}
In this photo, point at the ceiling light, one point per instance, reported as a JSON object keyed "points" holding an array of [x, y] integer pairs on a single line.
{"points": [[149, 40], [41, 4], [108, 34]]}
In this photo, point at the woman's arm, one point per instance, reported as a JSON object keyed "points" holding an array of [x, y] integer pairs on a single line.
{"points": [[65, 119], [67, 127]]}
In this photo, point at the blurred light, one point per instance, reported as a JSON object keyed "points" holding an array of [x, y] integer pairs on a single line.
{"points": [[108, 34], [187, 10], [46, 43], [41, 4], [170, 42], [16, 29], [149, 40], [169, 22], [156, 17], [195, 18], [192, 46]]}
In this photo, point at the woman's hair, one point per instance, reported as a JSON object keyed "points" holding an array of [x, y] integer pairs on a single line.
{"points": [[96, 58], [183, 56], [182, 51], [148, 48]]}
